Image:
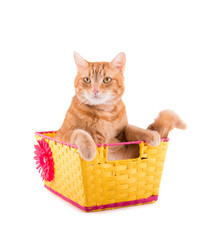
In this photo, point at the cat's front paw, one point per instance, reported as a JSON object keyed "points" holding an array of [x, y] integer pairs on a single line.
{"points": [[153, 138], [87, 151], [85, 143]]}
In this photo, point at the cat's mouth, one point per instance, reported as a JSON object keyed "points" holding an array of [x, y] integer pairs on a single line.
{"points": [[96, 97], [95, 100]]}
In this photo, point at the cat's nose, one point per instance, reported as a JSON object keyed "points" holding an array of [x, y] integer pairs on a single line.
{"points": [[95, 90]]}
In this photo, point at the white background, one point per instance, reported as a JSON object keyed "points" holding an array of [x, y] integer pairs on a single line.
{"points": [[37, 40]]}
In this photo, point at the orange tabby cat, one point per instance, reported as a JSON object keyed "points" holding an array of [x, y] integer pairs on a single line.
{"points": [[98, 115]]}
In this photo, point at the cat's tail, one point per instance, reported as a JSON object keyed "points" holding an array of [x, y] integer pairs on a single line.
{"points": [[165, 122]]}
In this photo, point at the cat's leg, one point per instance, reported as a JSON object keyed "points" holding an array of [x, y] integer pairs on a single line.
{"points": [[133, 133], [130, 134], [85, 143], [81, 138]]}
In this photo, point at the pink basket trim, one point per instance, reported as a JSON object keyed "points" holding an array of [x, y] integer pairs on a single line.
{"points": [[41, 134], [103, 207]]}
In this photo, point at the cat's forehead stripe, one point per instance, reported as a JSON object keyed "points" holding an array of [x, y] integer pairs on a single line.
{"points": [[97, 69]]}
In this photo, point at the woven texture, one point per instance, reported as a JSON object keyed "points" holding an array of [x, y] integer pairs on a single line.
{"points": [[103, 182]]}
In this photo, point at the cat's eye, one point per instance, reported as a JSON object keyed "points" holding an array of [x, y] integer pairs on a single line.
{"points": [[87, 80], [107, 80]]}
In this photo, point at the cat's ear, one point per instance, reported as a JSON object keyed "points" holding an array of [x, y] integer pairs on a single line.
{"points": [[119, 62], [80, 62]]}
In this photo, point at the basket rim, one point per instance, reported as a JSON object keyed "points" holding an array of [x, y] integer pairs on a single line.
{"points": [[41, 134]]}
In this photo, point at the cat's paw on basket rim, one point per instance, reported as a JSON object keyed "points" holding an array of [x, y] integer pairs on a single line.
{"points": [[153, 139], [87, 152]]}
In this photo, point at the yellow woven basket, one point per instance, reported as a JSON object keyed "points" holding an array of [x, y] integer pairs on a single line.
{"points": [[100, 184]]}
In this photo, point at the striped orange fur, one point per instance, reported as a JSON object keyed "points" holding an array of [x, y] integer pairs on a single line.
{"points": [[97, 113]]}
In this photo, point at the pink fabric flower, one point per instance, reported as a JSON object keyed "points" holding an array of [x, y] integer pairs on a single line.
{"points": [[44, 160]]}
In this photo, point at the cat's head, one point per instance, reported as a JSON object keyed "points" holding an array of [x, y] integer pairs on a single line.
{"points": [[99, 82]]}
